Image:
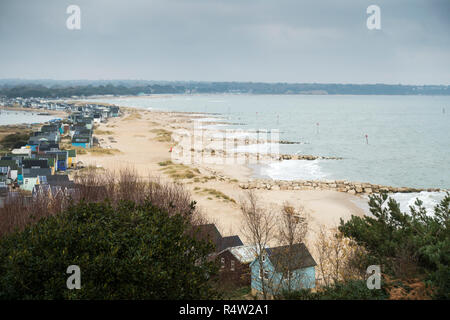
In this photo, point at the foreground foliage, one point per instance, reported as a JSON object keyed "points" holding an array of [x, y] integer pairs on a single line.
{"points": [[349, 290], [408, 246], [14, 140], [125, 251]]}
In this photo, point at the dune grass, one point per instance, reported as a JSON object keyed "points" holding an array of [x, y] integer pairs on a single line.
{"points": [[79, 150], [178, 171], [133, 116], [162, 135], [204, 179], [90, 168], [165, 163], [103, 132], [103, 151], [94, 150], [215, 193]]}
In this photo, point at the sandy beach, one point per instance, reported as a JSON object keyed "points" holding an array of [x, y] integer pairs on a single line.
{"points": [[143, 140]]}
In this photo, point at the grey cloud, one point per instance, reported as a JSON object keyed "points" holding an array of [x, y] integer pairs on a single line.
{"points": [[228, 40]]}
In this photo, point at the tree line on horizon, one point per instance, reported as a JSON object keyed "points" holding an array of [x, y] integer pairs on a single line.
{"points": [[63, 89]]}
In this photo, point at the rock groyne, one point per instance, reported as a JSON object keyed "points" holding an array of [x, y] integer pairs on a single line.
{"points": [[336, 185]]}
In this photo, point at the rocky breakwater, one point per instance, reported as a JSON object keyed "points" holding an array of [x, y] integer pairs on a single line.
{"points": [[253, 157], [305, 157], [336, 185]]}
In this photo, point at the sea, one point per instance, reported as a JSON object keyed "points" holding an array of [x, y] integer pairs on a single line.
{"points": [[401, 141], [23, 117]]}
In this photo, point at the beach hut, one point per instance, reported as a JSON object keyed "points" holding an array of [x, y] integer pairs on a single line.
{"points": [[61, 157], [22, 152], [32, 177], [72, 154], [235, 265], [283, 267], [82, 141]]}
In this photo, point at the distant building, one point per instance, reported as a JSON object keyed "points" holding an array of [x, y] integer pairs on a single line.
{"points": [[22, 151], [35, 163], [284, 266], [51, 191], [71, 154], [209, 232], [48, 146], [62, 159], [50, 158], [9, 170], [235, 265], [83, 141], [32, 177]]}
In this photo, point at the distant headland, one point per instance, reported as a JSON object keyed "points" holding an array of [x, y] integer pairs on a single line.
{"points": [[13, 88]]}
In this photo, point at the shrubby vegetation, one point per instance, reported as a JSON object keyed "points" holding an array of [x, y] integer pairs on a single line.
{"points": [[93, 185], [128, 251], [350, 290], [132, 239], [413, 250], [410, 247], [14, 140]]}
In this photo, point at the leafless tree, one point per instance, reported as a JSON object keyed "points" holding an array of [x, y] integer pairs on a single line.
{"points": [[21, 210], [259, 229], [322, 251], [292, 231], [337, 256]]}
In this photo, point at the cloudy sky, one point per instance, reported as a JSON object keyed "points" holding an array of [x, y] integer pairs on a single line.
{"points": [[228, 40]]}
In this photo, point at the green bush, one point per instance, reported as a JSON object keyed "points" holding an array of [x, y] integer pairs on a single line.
{"points": [[414, 245], [127, 251], [14, 140], [350, 290]]}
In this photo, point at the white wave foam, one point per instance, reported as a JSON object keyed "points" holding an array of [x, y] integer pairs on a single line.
{"points": [[429, 199], [263, 148], [233, 134], [216, 126], [216, 119], [293, 170]]}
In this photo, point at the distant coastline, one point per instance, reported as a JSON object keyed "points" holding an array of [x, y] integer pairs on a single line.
{"points": [[71, 89], [33, 110]]}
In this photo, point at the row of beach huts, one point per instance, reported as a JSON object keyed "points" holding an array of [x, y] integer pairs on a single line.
{"points": [[43, 162]]}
